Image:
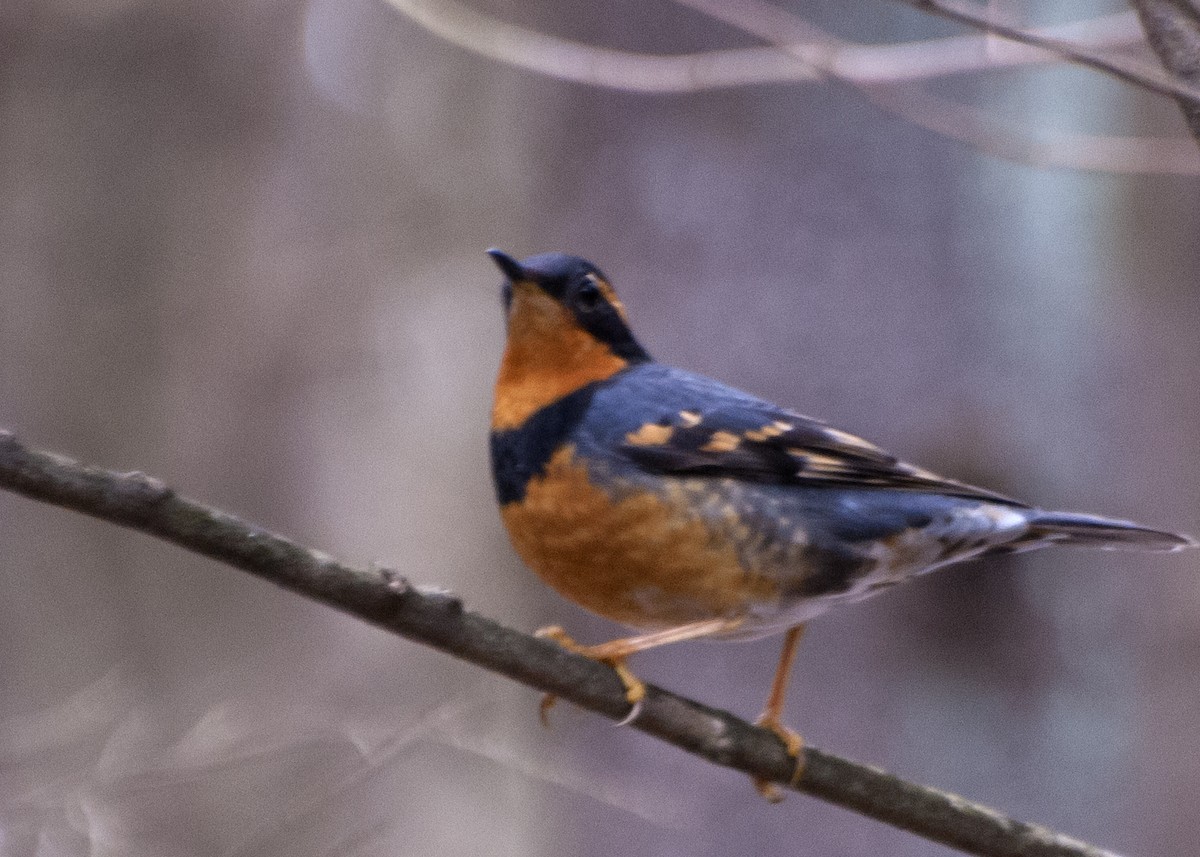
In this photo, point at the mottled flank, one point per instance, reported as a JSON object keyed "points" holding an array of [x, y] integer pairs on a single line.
{"points": [[636, 556]]}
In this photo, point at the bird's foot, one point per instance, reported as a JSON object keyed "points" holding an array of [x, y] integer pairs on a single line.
{"points": [[614, 654], [793, 743]]}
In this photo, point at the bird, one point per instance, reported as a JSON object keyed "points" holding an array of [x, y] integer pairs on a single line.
{"points": [[683, 508]]}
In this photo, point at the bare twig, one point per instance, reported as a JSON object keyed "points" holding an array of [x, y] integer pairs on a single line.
{"points": [[438, 619], [1135, 73], [922, 59], [974, 126], [1173, 30], [799, 51], [802, 53]]}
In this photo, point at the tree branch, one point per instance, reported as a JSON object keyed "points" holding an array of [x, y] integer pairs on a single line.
{"points": [[872, 69], [801, 53], [1173, 30], [1129, 71], [437, 618]]}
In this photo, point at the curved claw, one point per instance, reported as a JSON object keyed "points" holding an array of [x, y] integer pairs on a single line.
{"points": [[634, 711], [635, 688]]}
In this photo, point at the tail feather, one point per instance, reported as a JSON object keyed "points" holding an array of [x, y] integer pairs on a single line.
{"points": [[1094, 531]]}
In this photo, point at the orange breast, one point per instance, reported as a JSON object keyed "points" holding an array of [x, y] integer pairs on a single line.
{"points": [[641, 559]]}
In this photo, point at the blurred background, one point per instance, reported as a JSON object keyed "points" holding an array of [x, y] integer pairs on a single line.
{"points": [[241, 248]]}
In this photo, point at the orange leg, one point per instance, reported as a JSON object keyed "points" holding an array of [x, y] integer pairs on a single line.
{"points": [[615, 652], [771, 718]]}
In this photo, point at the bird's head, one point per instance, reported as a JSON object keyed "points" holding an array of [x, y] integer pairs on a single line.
{"points": [[566, 329]]}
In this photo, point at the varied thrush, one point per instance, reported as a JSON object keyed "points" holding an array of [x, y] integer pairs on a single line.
{"points": [[684, 508]]}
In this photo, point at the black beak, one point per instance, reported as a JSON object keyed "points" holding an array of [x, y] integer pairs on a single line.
{"points": [[510, 266]]}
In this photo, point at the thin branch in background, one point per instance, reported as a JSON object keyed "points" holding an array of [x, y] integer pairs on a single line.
{"points": [[915, 60], [1173, 30], [438, 619], [802, 53], [1135, 73], [799, 51], [569, 60], [976, 127]]}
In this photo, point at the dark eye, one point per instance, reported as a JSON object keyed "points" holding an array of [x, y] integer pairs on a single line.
{"points": [[587, 296]]}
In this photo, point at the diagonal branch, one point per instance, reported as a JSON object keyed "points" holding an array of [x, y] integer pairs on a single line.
{"points": [[437, 618], [1129, 71]]}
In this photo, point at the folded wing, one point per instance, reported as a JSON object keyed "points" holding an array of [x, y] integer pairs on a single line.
{"points": [[765, 444]]}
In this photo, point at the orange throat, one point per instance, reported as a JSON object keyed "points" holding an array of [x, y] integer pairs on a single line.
{"points": [[548, 356]]}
